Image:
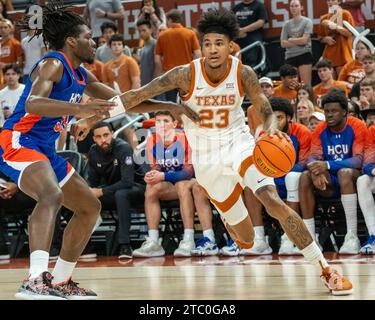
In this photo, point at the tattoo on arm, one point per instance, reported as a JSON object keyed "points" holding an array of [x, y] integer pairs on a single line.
{"points": [[177, 78], [296, 230], [254, 92]]}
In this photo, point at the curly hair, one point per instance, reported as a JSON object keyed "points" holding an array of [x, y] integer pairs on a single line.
{"points": [[336, 96], [220, 21], [59, 23], [283, 105]]}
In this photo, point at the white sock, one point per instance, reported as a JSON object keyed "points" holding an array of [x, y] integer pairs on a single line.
{"points": [[259, 232], [154, 235], [188, 234], [310, 225], [367, 204], [313, 254], [38, 263], [63, 270], [349, 202], [209, 233]]}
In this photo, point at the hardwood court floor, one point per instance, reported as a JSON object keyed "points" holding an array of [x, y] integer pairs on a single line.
{"points": [[268, 277]]}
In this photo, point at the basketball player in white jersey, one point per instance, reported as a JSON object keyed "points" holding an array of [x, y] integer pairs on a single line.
{"points": [[214, 87]]}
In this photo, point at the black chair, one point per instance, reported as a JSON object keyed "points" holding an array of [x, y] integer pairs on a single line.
{"points": [[74, 158]]}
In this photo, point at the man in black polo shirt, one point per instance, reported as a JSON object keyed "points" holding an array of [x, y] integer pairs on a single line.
{"points": [[251, 16], [111, 176]]}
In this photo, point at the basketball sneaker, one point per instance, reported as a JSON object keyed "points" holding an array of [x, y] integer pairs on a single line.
{"points": [[369, 246], [39, 288], [205, 247], [71, 291], [230, 250], [337, 284], [184, 248], [260, 247], [287, 247], [149, 248], [351, 244]]}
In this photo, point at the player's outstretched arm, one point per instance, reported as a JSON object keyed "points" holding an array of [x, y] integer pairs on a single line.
{"points": [[38, 102]]}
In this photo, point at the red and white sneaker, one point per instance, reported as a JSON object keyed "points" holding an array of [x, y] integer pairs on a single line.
{"points": [[39, 288], [71, 291], [337, 284]]}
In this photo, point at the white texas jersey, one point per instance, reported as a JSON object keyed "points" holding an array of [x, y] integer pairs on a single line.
{"points": [[218, 105]]}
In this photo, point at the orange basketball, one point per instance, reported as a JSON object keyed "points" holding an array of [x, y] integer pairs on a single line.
{"points": [[274, 156]]}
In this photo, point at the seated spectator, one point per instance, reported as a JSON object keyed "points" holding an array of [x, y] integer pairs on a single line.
{"points": [[104, 52], [368, 116], [170, 178], [305, 109], [367, 97], [111, 176], [296, 39], [353, 110], [325, 73], [289, 85], [10, 48], [151, 12], [13, 200], [366, 189], [336, 37], [369, 67], [10, 95], [354, 71], [267, 87], [305, 92], [97, 12], [122, 72], [287, 186], [101, 42], [334, 166], [147, 52], [315, 119]]}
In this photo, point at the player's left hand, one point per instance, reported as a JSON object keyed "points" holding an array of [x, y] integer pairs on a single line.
{"points": [[318, 167], [276, 132], [179, 110], [9, 191]]}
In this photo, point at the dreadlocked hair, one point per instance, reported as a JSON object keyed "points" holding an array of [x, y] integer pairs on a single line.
{"points": [[220, 21], [58, 24]]}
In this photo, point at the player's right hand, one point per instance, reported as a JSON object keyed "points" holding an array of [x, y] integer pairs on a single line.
{"points": [[95, 107]]}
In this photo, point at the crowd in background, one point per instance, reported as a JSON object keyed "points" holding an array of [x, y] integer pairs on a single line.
{"points": [[303, 109]]}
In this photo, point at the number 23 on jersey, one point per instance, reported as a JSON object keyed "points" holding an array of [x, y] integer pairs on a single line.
{"points": [[214, 118]]}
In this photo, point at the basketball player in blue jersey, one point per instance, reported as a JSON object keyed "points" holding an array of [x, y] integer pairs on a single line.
{"points": [[214, 87], [27, 148]]}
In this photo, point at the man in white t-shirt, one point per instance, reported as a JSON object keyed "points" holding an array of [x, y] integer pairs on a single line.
{"points": [[10, 95]]}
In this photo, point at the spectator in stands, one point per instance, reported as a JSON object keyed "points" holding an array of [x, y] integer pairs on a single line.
{"points": [[147, 52], [151, 12], [97, 12], [353, 109], [355, 8], [104, 52], [175, 46], [251, 17], [354, 71], [33, 48], [101, 41], [336, 37], [369, 67], [14, 200], [334, 165], [122, 72], [170, 178], [325, 73], [96, 68], [367, 97], [305, 109], [10, 48], [366, 189], [111, 175], [296, 39], [368, 116], [10, 95], [267, 86], [287, 186], [315, 119], [289, 86]]}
